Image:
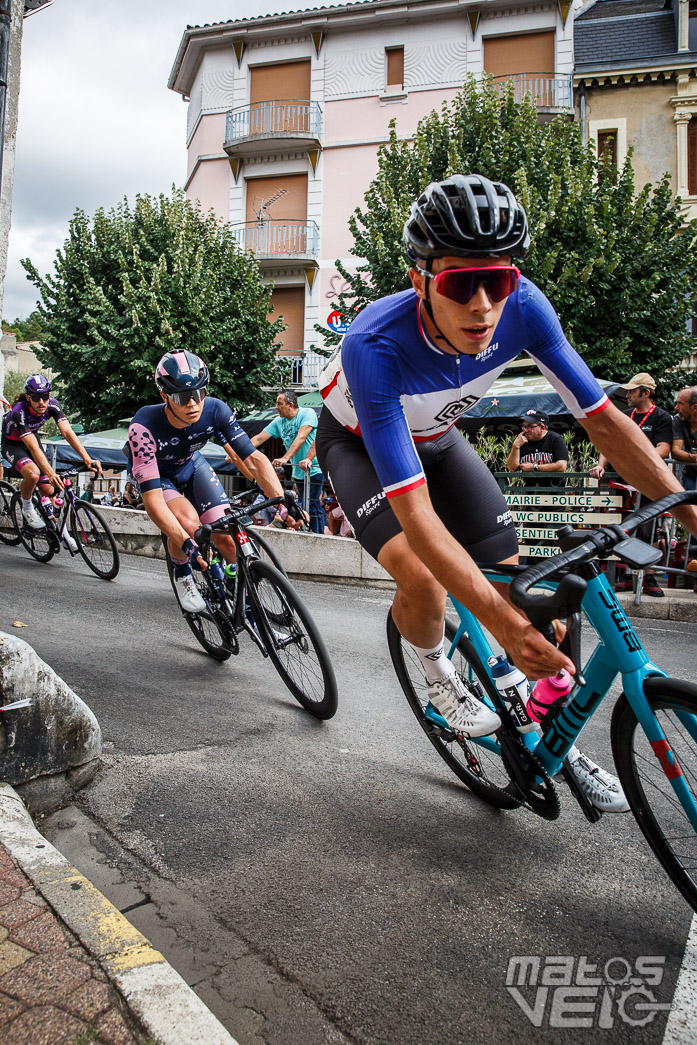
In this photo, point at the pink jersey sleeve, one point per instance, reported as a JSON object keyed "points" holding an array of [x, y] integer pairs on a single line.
{"points": [[143, 447]]}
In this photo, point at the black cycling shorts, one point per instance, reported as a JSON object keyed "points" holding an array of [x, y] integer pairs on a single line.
{"points": [[465, 495]]}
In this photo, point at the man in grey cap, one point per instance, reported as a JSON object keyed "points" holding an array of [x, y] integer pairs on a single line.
{"points": [[657, 426]]}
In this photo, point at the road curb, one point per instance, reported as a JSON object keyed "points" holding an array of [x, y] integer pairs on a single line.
{"points": [[158, 997]]}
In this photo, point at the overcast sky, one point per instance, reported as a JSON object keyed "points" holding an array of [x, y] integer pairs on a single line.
{"points": [[96, 119]]}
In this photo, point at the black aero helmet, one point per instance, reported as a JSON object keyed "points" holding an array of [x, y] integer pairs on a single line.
{"points": [[181, 372], [466, 215]]}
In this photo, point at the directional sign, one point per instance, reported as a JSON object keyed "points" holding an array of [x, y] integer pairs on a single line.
{"points": [[564, 500], [560, 518], [337, 322]]}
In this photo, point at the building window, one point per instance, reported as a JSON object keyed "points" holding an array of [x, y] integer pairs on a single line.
{"points": [[395, 68], [692, 156], [607, 151], [610, 136], [692, 31]]}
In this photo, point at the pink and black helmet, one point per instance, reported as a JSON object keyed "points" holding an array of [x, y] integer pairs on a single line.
{"points": [[181, 372]]}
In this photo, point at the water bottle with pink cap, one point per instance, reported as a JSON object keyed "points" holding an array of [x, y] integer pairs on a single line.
{"points": [[549, 693]]}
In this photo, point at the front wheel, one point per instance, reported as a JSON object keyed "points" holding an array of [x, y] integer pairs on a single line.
{"points": [[646, 776], [8, 531], [42, 544], [292, 640], [211, 630], [95, 540], [476, 766]]}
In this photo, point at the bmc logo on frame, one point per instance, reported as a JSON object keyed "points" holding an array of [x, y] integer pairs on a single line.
{"points": [[571, 993]]}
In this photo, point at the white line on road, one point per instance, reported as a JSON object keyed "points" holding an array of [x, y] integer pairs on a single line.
{"points": [[681, 1028]]}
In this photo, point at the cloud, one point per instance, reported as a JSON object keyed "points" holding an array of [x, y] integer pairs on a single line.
{"points": [[96, 119]]}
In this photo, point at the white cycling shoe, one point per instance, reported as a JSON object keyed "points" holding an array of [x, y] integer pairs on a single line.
{"points": [[69, 542], [600, 788], [32, 518], [190, 598], [463, 712]]}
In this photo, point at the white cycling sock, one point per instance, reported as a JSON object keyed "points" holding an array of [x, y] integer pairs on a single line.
{"points": [[26, 505], [434, 661]]}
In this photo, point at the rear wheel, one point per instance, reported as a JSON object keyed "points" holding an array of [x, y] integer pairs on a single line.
{"points": [[292, 640], [212, 629], [8, 532], [645, 775], [42, 544], [481, 769], [94, 539]]}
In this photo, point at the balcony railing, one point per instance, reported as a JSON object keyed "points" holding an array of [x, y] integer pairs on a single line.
{"points": [[279, 119], [279, 238], [547, 92]]}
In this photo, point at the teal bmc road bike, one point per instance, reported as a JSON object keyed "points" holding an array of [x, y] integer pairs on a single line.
{"points": [[654, 722]]}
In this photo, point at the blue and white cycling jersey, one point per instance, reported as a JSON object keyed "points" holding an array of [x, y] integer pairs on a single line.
{"points": [[390, 384]]}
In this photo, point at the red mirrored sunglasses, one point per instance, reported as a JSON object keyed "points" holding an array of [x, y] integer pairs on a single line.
{"points": [[461, 285]]}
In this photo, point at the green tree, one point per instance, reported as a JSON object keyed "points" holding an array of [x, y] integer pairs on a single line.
{"points": [[139, 281], [29, 329], [620, 267]]}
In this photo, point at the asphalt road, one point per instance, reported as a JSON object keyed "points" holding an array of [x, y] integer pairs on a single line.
{"points": [[332, 882]]}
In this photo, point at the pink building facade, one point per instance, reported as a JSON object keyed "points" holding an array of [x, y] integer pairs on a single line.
{"points": [[286, 114]]}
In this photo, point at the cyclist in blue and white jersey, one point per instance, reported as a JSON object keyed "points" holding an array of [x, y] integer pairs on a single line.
{"points": [[419, 498], [177, 484]]}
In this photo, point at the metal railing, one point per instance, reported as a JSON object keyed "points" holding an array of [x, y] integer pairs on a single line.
{"points": [[278, 236], [295, 118], [547, 92]]}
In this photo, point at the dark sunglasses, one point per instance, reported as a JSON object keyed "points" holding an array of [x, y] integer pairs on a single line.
{"points": [[39, 398], [182, 398], [461, 285]]}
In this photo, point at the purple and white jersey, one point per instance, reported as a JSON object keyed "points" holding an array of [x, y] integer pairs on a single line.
{"points": [[390, 384], [158, 449], [21, 420]]}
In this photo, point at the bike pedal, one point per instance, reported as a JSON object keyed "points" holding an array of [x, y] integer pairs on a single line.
{"points": [[590, 812]]}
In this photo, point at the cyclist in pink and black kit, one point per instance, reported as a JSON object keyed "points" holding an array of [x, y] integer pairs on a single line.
{"points": [[177, 484], [417, 495], [22, 447]]}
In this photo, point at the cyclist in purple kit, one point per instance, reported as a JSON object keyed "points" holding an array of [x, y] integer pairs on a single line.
{"points": [[177, 484], [22, 446], [417, 495]]}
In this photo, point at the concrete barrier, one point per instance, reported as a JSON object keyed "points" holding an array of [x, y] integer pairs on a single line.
{"points": [[52, 747], [310, 556]]}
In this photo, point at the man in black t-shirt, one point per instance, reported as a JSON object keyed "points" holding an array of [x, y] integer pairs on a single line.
{"points": [[537, 450], [657, 426], [685, 435]]}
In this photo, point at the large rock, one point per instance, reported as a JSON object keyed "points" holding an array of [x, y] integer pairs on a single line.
{"points": [[52, 747]]}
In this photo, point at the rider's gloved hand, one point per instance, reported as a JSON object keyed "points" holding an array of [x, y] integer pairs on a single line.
{"points": [[292, 507], [192, 552]]}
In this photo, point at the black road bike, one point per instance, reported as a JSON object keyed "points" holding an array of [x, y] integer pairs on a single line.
{"points": [[262, 602], [85, 523], [8, 531]]}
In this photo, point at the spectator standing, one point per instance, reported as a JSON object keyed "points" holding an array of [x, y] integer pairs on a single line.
{"points": [[657, 426], [296, 427], [536, 449], [88, 493], [685, 435]]}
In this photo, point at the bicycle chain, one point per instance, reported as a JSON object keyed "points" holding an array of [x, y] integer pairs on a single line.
{"points": [[529, 776]]}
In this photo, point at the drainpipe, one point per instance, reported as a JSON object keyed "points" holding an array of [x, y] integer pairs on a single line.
{"points": [[582, 110]]}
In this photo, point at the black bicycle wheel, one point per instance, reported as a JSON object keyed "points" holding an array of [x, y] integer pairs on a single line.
{"points": [[8, 530], [477, 767], [292, 640], [642, 773], [264, 550], [41, 544], [211, 629], [95, 540]]}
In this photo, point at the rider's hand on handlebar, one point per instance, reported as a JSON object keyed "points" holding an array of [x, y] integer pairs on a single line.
{"points": [[95, 466], [536, 658], [55, 479], [193, 553]]}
